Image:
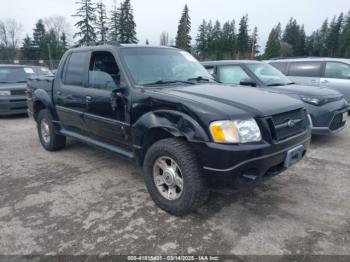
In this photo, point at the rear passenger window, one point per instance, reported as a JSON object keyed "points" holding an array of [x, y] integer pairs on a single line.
{"points": [[306, 69], [337, 70], [76, 69], [281, 66]]}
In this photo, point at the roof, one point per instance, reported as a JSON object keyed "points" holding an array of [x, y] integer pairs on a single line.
{"points": [[344, 60], [116, 45], [12, 65], [229, 62]]}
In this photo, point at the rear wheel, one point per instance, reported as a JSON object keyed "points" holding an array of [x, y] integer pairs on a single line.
{"points": [[48, 138], [173, 177]]}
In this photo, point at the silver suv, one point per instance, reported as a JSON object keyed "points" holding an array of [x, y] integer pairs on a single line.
{"points": [[326, 72]]}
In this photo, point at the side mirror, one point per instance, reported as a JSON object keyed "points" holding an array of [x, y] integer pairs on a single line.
{"points": [[247, 82], [115, 96]]}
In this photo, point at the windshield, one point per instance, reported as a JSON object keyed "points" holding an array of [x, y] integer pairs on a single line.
{"points": [[15, 74], [161, 65], [268, 75]]}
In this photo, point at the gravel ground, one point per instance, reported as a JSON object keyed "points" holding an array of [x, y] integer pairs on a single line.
{"points": [[85, 201]]}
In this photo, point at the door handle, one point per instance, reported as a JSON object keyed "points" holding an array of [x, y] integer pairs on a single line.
{"points": [[88, 99], [59, 93], [324, 81], [313, 81]]}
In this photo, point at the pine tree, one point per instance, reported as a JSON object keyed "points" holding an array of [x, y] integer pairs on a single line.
{"points": [[101, 21], [215, 45], [202, 40], [27, 49], [114, 24], [323, 33], [253, 43], [332, 38], [39, 40], [183, 38], [243, 38], [309, 44], [273, 45], [294, 35], [344, 41], [86, 13], [126, 23], [231, 44]]}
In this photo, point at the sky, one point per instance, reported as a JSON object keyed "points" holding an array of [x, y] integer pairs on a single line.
{"points": [[154, 16]]}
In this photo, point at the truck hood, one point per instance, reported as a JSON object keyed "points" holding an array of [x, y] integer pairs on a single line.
{"points": [[234, 100], [12, 86], [301, 90]]}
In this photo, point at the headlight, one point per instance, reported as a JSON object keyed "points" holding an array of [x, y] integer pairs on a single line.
{"points": [[314, 101], [238, 131], [5, 93]]}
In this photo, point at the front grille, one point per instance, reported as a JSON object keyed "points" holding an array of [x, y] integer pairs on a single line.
{"points": [[337, 122], [288, 124], [17, 92]]}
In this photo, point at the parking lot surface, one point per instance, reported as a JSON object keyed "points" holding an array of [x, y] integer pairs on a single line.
{"points": [[85, 201]]}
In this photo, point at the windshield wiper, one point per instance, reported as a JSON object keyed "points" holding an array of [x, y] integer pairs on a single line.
{"points": [[198, 79], [24, 81], [277, 84], [165, 82]]}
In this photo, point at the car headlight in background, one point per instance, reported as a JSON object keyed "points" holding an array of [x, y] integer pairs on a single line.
{"points": [[314, 101], [5, 93], [237, 131]]}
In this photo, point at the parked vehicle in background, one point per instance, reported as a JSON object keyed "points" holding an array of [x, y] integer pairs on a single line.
{"points": [[326, 72], [42, 71], [159, 107], [13, 79], [327, 109]]}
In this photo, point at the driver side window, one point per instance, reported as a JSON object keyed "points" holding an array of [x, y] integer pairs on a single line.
{"points": [[103, 72], [232, 74]]}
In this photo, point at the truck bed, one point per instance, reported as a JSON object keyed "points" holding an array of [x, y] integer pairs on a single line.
{"points": [[43, 82]]}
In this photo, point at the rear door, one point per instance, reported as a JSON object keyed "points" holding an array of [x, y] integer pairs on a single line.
{"points": [[106, 121], [305, 72], [337, 76], [70, 93]]}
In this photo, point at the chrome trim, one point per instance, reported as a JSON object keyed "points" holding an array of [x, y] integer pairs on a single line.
{"points": [[66, 109], [105, 119], [255, 159]]}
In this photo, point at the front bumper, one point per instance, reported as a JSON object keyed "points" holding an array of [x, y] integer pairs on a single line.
{"points": [[328, 119], [13, 105], [248, 164]]}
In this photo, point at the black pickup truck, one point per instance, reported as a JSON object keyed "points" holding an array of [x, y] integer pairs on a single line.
{"points": [[159, 107]]}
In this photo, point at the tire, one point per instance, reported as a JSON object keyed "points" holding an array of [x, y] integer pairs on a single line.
{"points": [[48, 138], [194, 192]]}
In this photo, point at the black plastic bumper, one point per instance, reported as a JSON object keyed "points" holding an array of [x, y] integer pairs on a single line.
{"points": [[249, 163], [13, 105], [322, 118]]}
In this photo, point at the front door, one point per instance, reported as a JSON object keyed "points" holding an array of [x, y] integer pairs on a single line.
{"points": [[106, 121]]}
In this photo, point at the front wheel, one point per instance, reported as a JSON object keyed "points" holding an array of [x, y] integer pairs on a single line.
{"points": [[48, 138], [173, 177]]}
